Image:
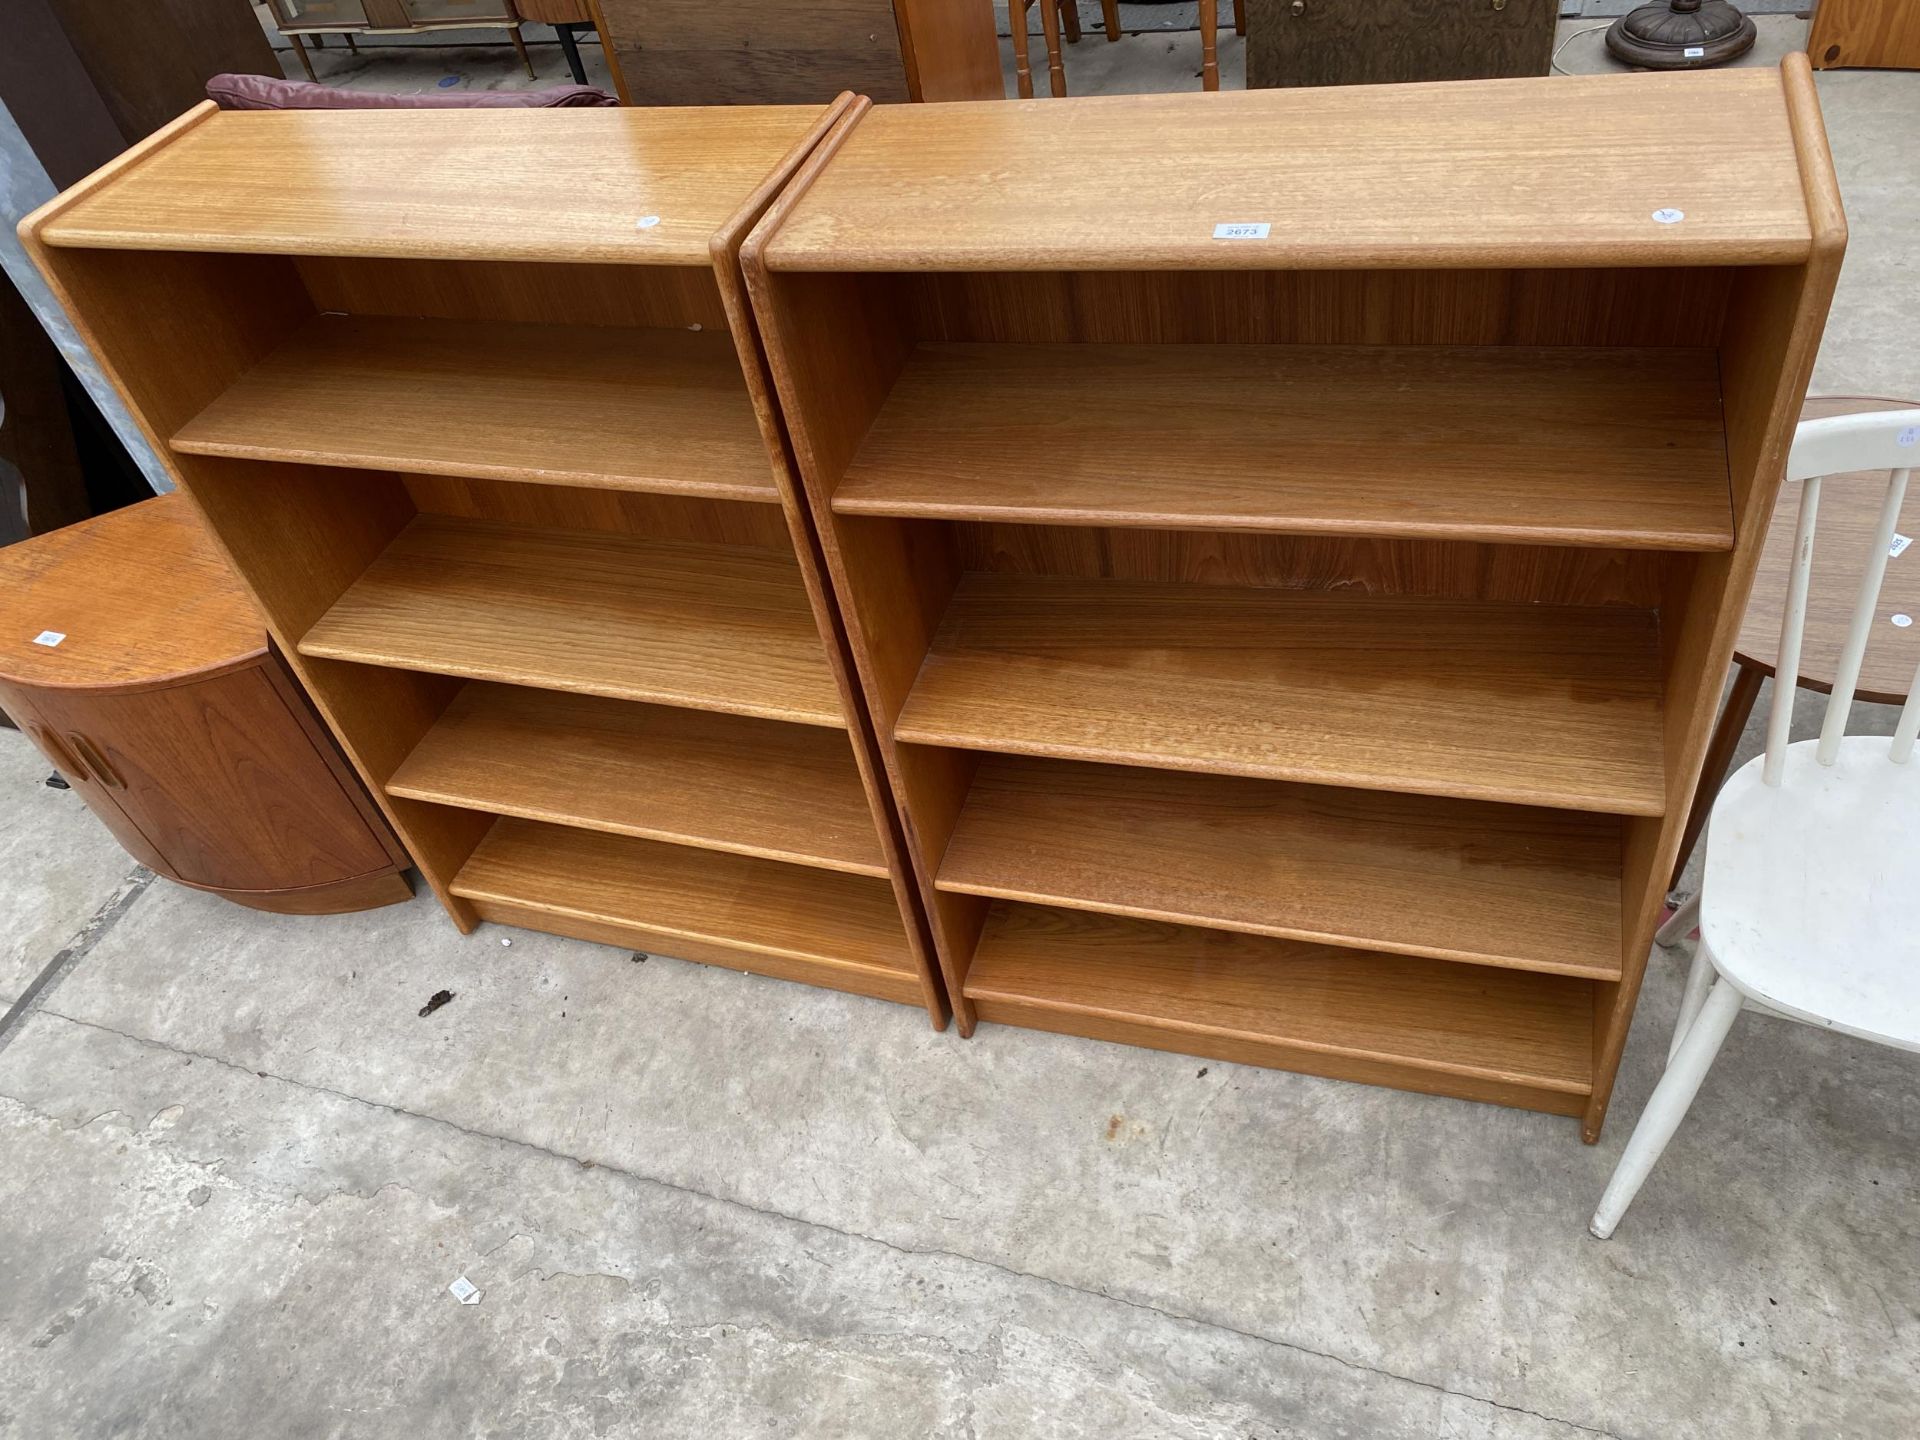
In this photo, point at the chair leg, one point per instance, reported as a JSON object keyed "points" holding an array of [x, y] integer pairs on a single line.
{"points": [[1022, 71], [570, 47], [1110, 17], [1699, 980], [1050, 29], [1668, 1106], [1070, 20], [520, 45], [1676, 926], [305, 63], [1209, 44], [1239, 17]]}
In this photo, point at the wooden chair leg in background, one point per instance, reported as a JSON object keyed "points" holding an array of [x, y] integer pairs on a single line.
{"points": [[306, 64], [1209, 44], [1239, 17], [1110, 17], [1070, 20], [1022, 70], [520, 45], [1713, 772], [1050, 28]]}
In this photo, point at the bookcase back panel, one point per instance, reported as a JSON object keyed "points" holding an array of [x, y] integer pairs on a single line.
{"points": [[1455, 570], [1642, 307], [561, 507], [549, 294]]}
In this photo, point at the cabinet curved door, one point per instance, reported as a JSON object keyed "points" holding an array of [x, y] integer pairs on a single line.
{"points": [[221, 779], [98, 796]]}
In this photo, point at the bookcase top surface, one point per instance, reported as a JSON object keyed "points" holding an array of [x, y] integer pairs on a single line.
{"points": [[1614, 170], [637, 186]]}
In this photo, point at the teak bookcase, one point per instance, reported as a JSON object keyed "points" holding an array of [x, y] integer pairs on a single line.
{"points": [[1295, 641], [474, 403]]}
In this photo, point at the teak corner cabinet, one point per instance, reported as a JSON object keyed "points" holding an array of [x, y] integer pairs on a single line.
{"points": [[473, 402], [1292, 586]]}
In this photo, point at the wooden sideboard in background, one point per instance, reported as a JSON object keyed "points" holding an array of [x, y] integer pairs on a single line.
{"points": [[790, 52]]}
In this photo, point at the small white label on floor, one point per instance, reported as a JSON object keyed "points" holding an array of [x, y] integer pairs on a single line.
{"points": [[1899, 546], [1241, 230], [1669, 217], [48, 638], [465, 1291]]}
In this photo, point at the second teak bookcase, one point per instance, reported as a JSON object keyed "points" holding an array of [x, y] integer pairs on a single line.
{"points": [[474, 404], [1292, 576]]}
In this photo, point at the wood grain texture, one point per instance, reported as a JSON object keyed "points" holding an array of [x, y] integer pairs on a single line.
{"points": [[221, 780], [1849, 512], [1393, 42], [1560, 172], [1774, 321], [1871, 34], [687, 52], [753, 906], [716, 782], [1558, 446], [442, 184], [1400, 873], [1360, 564], [513, 292], [1488, 1034], [951, 49], [1645, 306], [706, 626], [115, 635], [655, 410], [1532, 705], [617, 512]]}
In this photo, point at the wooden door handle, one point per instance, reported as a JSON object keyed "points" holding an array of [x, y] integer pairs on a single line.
{"points": [[63, 758], [91, 753]]}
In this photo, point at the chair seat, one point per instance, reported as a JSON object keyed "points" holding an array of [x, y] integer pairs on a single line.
{"points": [[1811, 899]]}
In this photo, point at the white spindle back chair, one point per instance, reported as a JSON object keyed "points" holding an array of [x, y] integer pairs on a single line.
{"points": [[1810, 902]]}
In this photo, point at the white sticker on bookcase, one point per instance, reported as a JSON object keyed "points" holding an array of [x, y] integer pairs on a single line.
{"points": [[646, 222], [1669, 216], [48, 638], [1241, 230]]}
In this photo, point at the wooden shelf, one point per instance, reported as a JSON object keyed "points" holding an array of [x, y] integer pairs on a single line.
{"points": [[1500, 1035], [1358, 176], [716, 782], [1555, 445], [601, 406], [710, 627], [442, 185], [842, 931], [1502, 885], [1524, 704]]}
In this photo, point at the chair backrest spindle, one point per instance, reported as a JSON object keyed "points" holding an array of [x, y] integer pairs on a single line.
{"points": [[1793, 626], [1848, 677], [1887, 440]]}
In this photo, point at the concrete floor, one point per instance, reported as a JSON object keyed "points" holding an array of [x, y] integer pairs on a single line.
{"points": [[238, 1172]]}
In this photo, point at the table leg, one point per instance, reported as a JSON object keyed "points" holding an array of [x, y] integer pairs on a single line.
{"points": [[1726, 739], [570, 47]]}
